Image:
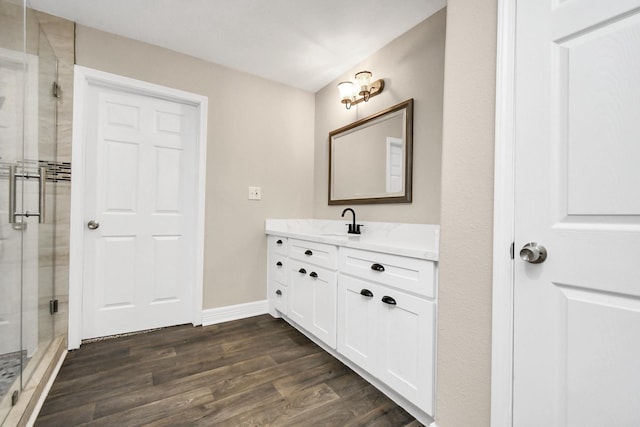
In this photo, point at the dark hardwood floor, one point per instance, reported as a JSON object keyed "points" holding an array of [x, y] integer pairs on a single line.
{"points": [[252, 372]]}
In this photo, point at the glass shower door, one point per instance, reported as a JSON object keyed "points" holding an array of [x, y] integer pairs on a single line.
{"points": [[28, 162], [12, 87], [39, 196]]}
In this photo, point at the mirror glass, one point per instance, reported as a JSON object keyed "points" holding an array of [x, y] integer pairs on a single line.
{"points": [[370, 160]]}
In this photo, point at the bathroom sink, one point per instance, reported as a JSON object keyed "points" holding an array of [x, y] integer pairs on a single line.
{"points": [[336, 234], [341, 236]]}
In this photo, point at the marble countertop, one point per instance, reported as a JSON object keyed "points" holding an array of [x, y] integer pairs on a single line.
{"points": [[412, 240]]}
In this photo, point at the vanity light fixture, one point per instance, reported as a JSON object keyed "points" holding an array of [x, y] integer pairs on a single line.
{"points": [[351, 94]]}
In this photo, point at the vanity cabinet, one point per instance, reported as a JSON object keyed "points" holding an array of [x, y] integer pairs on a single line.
{"points": [[370, 303]]}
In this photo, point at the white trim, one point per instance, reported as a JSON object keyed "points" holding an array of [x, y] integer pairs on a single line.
{"points": [[82, 79], [503, 221], [212, 316], [45, 391]]}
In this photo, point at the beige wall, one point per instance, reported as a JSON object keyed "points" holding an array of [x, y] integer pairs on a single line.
{"points": [[412, 67], [464, 320], [260, 133]]}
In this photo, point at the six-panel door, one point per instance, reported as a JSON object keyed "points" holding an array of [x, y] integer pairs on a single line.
{"points": [[140, 180]]}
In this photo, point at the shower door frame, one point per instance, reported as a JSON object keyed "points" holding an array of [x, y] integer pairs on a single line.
{"points": [[83, 78]]}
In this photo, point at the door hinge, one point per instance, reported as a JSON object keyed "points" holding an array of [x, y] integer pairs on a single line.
{"points": [[55, 90], [53, 306], [14, 398], [512, 250]]}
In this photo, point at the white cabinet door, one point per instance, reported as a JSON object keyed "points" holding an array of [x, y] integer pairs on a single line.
{"points": [[312, 300], [390, 334], [323, 319], [300, 294], [406, 336], [357, 320]]}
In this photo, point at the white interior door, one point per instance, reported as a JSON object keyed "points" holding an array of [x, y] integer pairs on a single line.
{"points": [[140, 185], [577, 314]]}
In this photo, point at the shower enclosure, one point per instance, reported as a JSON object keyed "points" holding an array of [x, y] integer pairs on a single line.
{"points": [[29, 171]]}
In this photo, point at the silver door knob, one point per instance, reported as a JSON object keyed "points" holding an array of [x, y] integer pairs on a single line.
{"points": [[533, 252], [93, 224]]}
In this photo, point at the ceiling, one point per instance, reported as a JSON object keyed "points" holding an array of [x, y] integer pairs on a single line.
{"points": [[302, 43]]}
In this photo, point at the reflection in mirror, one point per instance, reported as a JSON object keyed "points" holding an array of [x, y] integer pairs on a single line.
{"points": [[370, 160]]}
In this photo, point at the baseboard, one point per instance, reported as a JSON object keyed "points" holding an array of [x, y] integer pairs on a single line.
{"points": [[212, 316]]}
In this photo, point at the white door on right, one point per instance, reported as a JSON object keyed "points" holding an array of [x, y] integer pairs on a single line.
{"points": [[577, 314]]}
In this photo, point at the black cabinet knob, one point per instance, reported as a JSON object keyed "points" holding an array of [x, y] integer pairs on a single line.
{"points": [[278, 292], [388, 300], [366, 293], [303, 271], [279, 242], [377, 267], [279, 264], [308, 252], [313, 274]]}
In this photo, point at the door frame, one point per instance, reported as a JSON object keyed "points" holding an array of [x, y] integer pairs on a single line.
{"points": [[83, 78], [504, 220]]}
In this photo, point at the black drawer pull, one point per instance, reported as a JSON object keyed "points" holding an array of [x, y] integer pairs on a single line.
{"points": [[388, 300], [279, 264], [279, 242], [377, 267], [308, 252], [313, 274], [366, 293], [278, 292], [303, 271]]}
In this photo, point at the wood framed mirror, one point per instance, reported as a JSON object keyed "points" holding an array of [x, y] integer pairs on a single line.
{"points": [[370, 160]]}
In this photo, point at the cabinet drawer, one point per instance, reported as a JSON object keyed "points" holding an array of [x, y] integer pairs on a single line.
{"points": [[319, 254], [279, 298], [278, 245], [410, 274], [278, 268]]}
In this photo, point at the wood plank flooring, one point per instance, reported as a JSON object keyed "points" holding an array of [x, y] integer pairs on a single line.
{"points": [[252, 372]]}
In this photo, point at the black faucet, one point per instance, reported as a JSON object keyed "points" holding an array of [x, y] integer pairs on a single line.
{"points": [[353, 228]]}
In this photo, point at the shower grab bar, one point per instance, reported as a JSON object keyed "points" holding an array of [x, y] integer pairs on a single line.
{"points": [[13, 180]]}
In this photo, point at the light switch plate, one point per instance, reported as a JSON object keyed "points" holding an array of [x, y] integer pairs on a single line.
{"points": [[254, 193]]}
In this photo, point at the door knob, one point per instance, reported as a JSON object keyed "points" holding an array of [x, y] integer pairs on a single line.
{"points": [[93, 224], [533, 253]]}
